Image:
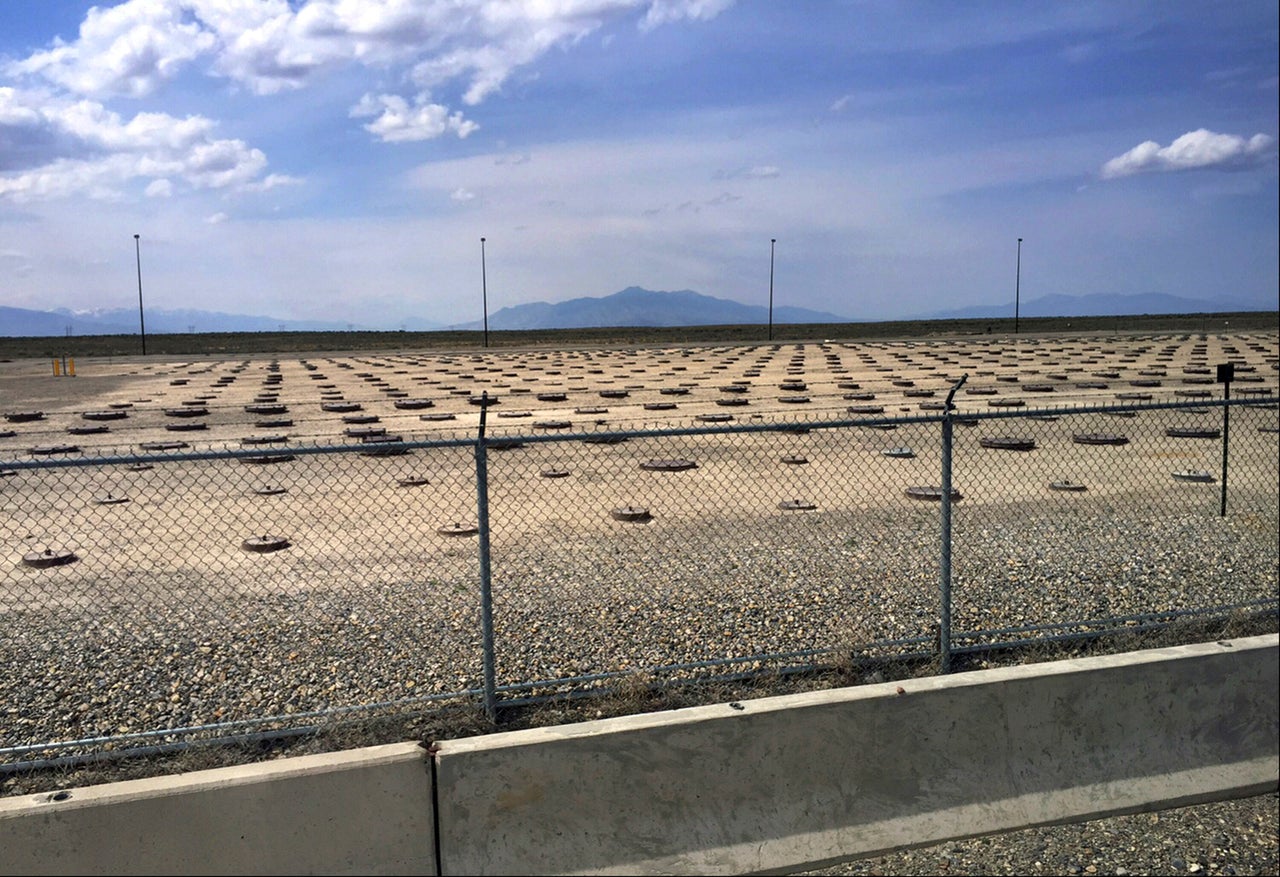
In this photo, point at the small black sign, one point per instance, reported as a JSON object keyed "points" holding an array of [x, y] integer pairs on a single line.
{"points": [[1226, 372]]}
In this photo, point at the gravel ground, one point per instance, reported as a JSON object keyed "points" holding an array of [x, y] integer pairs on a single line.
{"points": [[1228, 837]]}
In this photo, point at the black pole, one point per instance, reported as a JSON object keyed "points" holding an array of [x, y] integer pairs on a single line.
{"points": [[142, 322], [484, 292], [772, 241], [1017, 287]]}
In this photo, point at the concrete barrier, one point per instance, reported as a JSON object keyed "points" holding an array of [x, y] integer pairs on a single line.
{"points": [[777, 784], [367, 811], [803, 781]]}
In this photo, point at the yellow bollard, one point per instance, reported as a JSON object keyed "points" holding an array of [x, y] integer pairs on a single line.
{"points": [[71, 368], [57, 368]]}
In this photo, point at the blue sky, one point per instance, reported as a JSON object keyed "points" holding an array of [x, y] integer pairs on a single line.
{"points": [[341, 159]]}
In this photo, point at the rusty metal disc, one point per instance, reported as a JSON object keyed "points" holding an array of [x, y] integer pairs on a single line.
{"points": [[50, 450], [264, 544], [1198, 475], [930, 493], [551, 397], [109, 414], [24, 416], [674, 391], [438, 415], [263, 439], [1193, 432], [632, 514], [266, 459], [339, 407], [865, 409], [458, 529], [270, 490], [1099, 438], [266, 409], [797, 505], [1008, 443], [190, 426], [49, 557], [1069, 486], [552, 424], [554, 473], [190, 411], [714, 418], [95, 429], [412, 481], [163, 446], [668, 465], [413, 404]]}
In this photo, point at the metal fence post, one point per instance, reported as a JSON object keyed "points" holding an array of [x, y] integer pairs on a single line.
{"points": [[944, 617], [486, 591], [1226, 432]]}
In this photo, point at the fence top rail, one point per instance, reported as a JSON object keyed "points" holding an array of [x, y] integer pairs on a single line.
{"points": [[732, 428]]}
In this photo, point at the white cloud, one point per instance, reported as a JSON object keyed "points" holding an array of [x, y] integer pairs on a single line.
{"points": [[1195, 150], [128, 49], [99, 153], [462, 195], [398, 122], [216, 218]]}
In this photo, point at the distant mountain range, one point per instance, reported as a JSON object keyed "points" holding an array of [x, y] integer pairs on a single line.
{"points": [[1097, 305], [635, 306], [632, 306]]}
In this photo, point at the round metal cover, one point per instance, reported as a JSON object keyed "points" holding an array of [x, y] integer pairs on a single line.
{"points": [[899, 452], [24, 416], [163, 446], [49, 450], [272, 424], [794, 400], [551, 397], [633, 514], [914, 394], [412, 481], [1134, 397], [1193, 394], [883, 426], [1192, 432], [674, 391], [266, 409], [980, 391], [732, 402], [552, 424], [360, 418], [668, 465], [88, 430], [186, 412], [49, 557], [659, 406], [591, 409], [793, 386], [439, 415], [458, 529], [264, 544], [413, 404], [1006, 403], [8, 473], [269, 490], [1008, 443], [505, 445], [1099, 438], [614, 394], [796, 505], [263, 439], [340, 406], [734, 388], [111, 414], [1070, 486], [1193, 475], [795, 460], [930, 493], [110, 499], [186, 427], [266, 459], [363, 432], [714, 418], [554, 473], [483, 401]]}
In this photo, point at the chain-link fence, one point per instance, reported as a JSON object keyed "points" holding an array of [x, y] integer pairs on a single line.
{"points": [[173, 594]]}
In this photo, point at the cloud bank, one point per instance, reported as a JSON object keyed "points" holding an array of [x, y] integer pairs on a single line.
{"points": [[1196, 150]]}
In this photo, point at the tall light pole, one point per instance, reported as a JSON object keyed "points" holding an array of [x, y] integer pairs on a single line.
{"points": [[142, 322], [772, 241], [484, 294], [1017, 287]]}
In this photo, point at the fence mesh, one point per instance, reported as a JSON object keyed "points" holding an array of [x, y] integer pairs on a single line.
{"points": [[270, 580]]}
